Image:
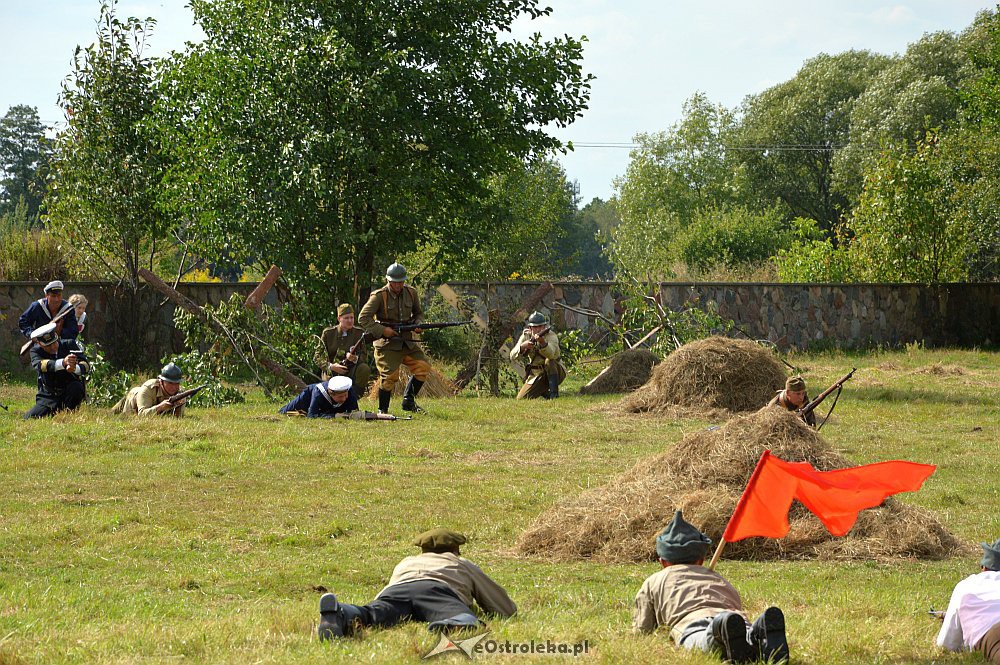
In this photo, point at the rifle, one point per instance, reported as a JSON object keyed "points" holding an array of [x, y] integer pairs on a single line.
{"points": [[407, 327], [837, 385], [184, 394], [56, 319], [353, 351], [368, 415]]}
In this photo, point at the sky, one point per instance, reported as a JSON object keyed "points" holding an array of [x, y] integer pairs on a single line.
{"points": [[648, 56]]}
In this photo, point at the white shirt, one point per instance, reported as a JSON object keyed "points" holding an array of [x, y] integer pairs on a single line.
{"points": [[973, 610]]}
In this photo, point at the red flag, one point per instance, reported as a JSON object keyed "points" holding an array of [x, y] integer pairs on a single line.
{"points": [[833, 496]]}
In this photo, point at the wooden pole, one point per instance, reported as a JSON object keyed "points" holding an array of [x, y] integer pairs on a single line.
{"points": [[718, 553], [257, 296]]}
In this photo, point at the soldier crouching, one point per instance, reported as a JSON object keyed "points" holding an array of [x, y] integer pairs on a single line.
{"points": [[539, 346], [61, 366]]}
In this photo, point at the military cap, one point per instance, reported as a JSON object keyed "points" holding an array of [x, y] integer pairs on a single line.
{"points": [[345, 308], [395, 273], [339, 384], [45, 335], [991, 556], [171, 373], [795, 384], [681, 542], [54, 285], [439, 540], [538, 319]]}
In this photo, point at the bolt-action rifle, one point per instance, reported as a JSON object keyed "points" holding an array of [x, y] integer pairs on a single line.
{"points": [[407, 327], [55, 319], [368, 415], [538, 341], [353, 351], [184, 394], [838, 386]]}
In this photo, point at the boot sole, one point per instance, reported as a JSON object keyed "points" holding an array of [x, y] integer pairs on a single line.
{"points": [[736, 649], [775, 641]]}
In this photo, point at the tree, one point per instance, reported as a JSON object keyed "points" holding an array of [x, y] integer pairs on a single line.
{"points": [[24, 157], [330, 137], [791, 132]]}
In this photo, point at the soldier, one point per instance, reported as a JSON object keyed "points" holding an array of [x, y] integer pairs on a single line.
{"points": [[395, 303], [540, 347], [324, 400], [972, 622], [699, 607], [45, 309], [60, 364], [794, 397], [334, 353], [153, 397], [437, 586]]}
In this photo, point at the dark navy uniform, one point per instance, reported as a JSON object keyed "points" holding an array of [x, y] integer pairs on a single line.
{"points": [[37, 315], [58, 388], [315, 402]]}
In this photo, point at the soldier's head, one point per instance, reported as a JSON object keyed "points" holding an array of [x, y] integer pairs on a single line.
{"points": [[53, 293], [345, 316], [991, 556], [795, 390], [682, 542], [440, 541], [395, 275], [170, 379], [537, 322], [47, 337], [338, 388]]}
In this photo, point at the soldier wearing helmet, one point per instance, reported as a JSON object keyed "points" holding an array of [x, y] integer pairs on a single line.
{"points": [[539, 347]]}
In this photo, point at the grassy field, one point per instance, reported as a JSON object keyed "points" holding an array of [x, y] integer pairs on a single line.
{"points": [[210, 539]]}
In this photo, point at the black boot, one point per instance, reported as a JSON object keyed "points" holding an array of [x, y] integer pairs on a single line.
{"points": [[384, 396], [409, 394], [336, 619], [553, 385], [768, 635], [729, 638]]}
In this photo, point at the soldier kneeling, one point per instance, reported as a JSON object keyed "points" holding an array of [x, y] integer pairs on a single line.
{"points": [[61, 366], [539, 346]]}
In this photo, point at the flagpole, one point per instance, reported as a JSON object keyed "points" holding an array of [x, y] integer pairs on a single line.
{"points": [[739, 506]]}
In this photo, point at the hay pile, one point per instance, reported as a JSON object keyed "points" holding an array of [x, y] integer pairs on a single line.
{"points": [[628, 370], [437, 384], [712, 377], [704, 475]]}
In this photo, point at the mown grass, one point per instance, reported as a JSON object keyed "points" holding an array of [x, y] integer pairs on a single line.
{"points": [[210, 539]]}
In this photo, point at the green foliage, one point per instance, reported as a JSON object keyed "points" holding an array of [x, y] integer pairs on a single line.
{"points": [[457, 344], [812, 257], [105, 384], [201, 369], [106, 178], [28, 253], [24, 158], [329, 137], [575, 346], [731, 238]]}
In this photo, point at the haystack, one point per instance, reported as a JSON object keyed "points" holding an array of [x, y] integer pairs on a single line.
{"points": [[714, 376], [437, 385], [628, 370], [704, 475]]}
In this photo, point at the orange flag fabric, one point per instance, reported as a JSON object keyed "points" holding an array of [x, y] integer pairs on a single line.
{"points": [[835, 497]]}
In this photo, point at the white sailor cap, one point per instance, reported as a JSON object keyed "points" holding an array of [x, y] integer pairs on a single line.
{"points": [[54, 285], [339, 384], [45, 334]]}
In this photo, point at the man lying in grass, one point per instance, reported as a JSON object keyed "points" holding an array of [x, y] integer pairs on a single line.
{"points": [[324, 400], [700, 608], [972, 621], [437, 586]]}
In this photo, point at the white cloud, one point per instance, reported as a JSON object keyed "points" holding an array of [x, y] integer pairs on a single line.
{"points": [[898, 15]]}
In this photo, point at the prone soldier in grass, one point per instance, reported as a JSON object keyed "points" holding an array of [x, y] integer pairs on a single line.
{"points": [[154, 397]]}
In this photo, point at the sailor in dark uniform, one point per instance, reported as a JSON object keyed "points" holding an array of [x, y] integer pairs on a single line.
{"points": [[61, 366], [324, 400], [45, 309]]}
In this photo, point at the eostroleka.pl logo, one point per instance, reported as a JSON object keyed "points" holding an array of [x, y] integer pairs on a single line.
{"points": [[478, 645]]}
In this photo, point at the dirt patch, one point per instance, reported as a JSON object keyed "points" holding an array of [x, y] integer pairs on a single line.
{"points": [[937, 369]]}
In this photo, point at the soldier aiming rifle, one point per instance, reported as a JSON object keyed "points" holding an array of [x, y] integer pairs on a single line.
{"points": [[539, 346]]}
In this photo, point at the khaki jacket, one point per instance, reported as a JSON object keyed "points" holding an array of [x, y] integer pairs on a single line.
{"points": [[384, 307], [142, 401], [335, 345], [461, 575], [780, 400], [535, 359], [679, 594]]}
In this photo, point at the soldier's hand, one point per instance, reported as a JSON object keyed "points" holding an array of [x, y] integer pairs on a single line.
{"points": [[165, 405], [526, 346], [417, 331], [389, 332], [70, 362], [352, 357], [338, 369]]}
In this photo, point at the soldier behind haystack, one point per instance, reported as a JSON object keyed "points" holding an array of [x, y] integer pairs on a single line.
{"points": [[539, 346], [45, 309], [334, 356], [794, 397], [153, 397], [61, 366], [392, 304]]}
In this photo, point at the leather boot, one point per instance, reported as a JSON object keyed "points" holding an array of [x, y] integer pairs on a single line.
{"points": [[384, 396], [336, 619], [409, 394], [767, 633], [553, 385], [729, 638]]}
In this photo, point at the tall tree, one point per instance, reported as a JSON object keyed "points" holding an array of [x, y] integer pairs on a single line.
{"points": [[324, 135], [24, 155], [790, 133]]}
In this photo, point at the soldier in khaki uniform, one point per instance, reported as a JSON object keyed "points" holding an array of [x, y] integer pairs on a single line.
{"points": [[151, 398], [539, 346], [395, 303], [334, 352], [794, 397]]}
